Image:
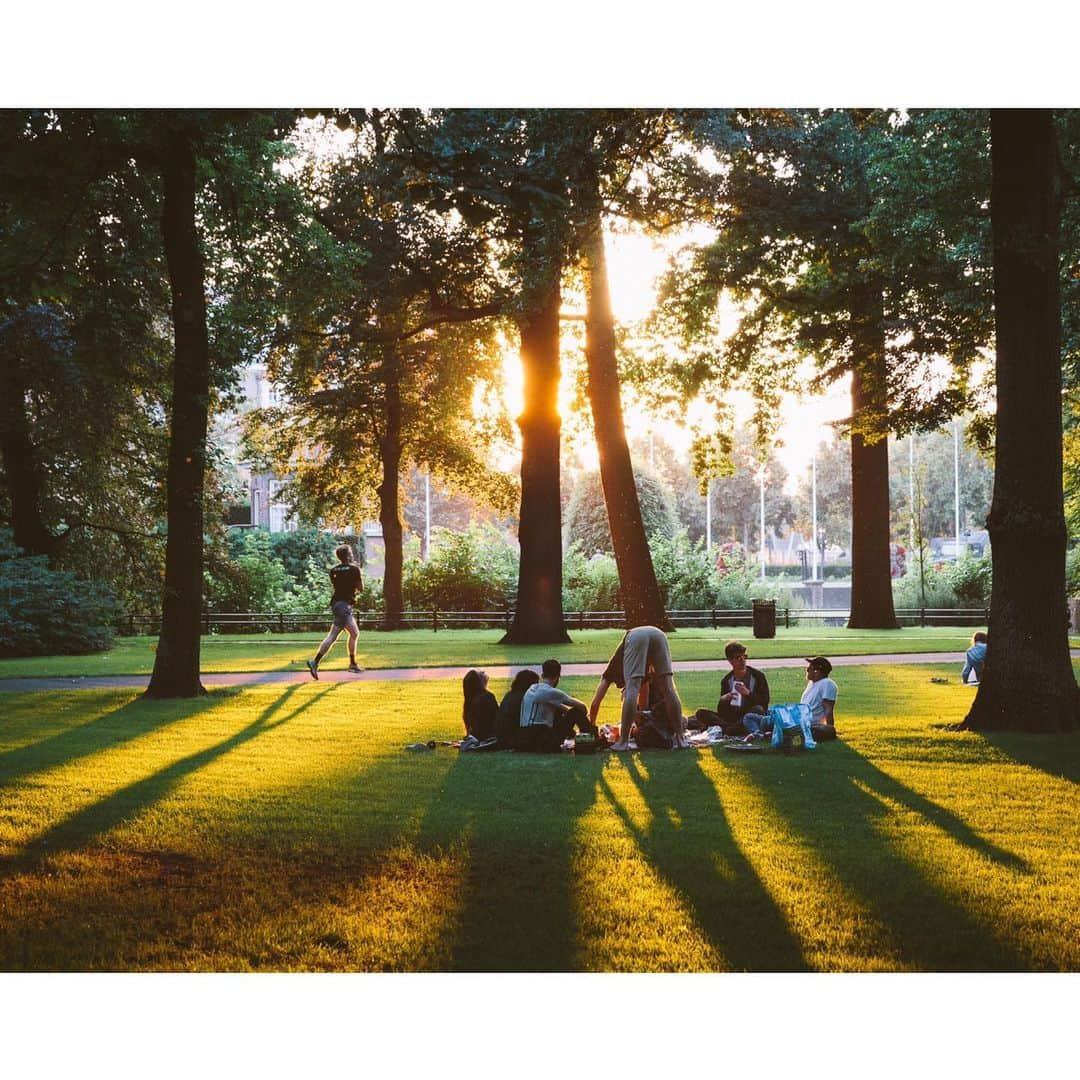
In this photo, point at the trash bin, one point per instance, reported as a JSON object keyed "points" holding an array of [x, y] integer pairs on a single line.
{"points": [[764, 618]]}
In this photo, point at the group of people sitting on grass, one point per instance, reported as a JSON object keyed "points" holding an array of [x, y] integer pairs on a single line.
{"points": [[535, 715]]}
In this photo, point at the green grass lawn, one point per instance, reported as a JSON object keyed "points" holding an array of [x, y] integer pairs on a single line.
{"points": [[285, 828], [423, 648]]}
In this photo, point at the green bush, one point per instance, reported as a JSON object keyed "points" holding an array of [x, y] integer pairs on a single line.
{"points": [[939, 593], [250, 579], [589, 584], [963, 584], [1072, 571], [312, 592], [474, 570], [741, 583], [256, 570], [586, 519], [970, 578], [296, 550], [50, 612], [684, 571]]}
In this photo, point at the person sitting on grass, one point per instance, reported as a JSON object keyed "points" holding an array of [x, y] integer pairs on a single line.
{"points": [[975, 658], [548, 715], [744, 691], [508, 719], [819, 696], [480, 707], [640, 647], [820, 693], [347, 581]]}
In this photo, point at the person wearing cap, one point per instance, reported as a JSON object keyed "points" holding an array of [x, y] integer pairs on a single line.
{"points": [[641, 647], [820, 693]]}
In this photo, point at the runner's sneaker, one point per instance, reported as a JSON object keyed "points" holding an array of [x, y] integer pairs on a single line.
{"points": [[313, 668], [355, 670]]}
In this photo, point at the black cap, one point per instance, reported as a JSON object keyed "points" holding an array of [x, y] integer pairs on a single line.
{"points": [[820, 662]]}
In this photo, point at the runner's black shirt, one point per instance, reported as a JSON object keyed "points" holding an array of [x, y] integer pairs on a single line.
{"points": [[346, 580]]}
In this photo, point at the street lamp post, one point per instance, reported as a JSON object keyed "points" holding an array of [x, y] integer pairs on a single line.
{"points": [[708, 516], [911, 487], [762, 477], [427, 516], [813, 503], [956, 482]]}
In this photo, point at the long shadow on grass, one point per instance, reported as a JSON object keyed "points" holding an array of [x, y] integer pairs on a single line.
{"points": [[80, 828], [517, 815], [1055, 755], [130, 721], [885, 786], [849, 828], [732, 908], [132, 908]]}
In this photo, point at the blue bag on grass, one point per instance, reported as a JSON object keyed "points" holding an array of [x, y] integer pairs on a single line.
{"points": [[787, 717]]}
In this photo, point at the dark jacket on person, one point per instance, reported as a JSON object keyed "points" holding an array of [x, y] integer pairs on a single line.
{"points": [[508, 719], [756, 702], [480, 715]]}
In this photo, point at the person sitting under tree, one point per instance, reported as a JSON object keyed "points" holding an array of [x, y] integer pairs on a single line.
{"points": [[347, 581], [975, 658]]}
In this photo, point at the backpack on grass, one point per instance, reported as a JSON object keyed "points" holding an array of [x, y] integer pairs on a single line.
{"points": [[652, 733], [787, 721]]}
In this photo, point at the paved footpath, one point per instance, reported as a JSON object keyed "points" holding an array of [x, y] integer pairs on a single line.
{"points": [[330, 675]]}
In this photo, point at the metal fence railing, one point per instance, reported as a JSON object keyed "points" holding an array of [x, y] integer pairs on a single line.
{"points": [[284, 622]]}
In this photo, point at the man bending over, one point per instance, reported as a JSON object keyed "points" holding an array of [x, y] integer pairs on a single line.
{"points": [[642, 646]]}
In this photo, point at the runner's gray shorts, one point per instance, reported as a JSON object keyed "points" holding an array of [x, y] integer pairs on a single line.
{"points": [[342, 613], [646, 645]]}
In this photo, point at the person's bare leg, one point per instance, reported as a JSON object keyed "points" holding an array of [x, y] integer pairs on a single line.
{"points": [[324, 648], [629, 712], [675, 710], [354, 633]]}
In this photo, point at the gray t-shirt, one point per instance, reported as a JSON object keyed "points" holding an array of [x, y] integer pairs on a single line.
{"points": [[541, 702]]}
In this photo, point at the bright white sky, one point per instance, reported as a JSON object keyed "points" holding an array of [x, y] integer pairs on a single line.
{"points": [[635, 261]]}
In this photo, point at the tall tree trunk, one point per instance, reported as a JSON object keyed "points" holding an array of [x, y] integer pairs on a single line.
{"points": [[390, 503], [19, 456], [538, 614], [1027, 683], [637, 578], [871, 567], [176, 666]]}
